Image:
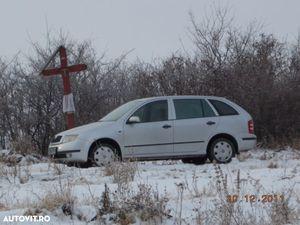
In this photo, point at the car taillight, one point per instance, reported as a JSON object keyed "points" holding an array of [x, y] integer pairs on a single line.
{"points": [[251, 127]]}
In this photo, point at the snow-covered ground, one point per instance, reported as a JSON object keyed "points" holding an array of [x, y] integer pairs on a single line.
{"points": [[194, 194]]}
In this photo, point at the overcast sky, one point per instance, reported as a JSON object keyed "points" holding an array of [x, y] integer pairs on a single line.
{"points": [[153, 28]]}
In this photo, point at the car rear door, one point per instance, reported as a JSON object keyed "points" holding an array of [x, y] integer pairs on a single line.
{"points": [[194, 122], [153, 135]]}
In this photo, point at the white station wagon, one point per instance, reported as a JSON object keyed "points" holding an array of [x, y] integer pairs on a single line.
{"points": [[191, 128]]}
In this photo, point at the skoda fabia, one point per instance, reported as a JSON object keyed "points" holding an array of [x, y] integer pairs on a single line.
{"points": [[191, 128]]}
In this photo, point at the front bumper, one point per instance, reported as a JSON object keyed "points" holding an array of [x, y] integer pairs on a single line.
{"points": [[53, 153], [71, 151]]}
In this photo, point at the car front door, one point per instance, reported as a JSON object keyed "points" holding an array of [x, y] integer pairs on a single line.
{"points": [[194, 123], [152, 136]]}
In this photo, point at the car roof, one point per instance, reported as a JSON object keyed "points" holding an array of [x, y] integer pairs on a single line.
{"points": [[182, 96]]}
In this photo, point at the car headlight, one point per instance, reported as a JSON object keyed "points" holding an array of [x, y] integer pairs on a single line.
{"points": [[69, 138]]}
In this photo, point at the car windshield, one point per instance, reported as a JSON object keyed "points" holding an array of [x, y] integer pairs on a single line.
{"points": [[120, 111]]}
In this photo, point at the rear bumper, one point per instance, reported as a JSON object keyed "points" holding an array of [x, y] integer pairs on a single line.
{"points": [[247, 143]]}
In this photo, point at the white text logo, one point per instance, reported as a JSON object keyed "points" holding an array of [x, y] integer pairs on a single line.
{"points": [[26, 219]]}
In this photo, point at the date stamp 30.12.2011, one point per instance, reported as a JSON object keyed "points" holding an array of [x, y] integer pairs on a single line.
{"points": [[256, 198]]}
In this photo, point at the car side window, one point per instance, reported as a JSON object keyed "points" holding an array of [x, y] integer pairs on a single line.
{"points": [[222, 108], [207, 110], [188, 108], [153, 112]]}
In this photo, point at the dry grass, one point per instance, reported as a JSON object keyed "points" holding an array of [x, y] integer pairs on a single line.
{"points": [[194, 189], [145, 204], [3, 207], [180, 190], [243, 156], [58, 168], [280, 143], [52, 201], [8, 173], [127, 205], [295, 143], [281, 212], [60, 196], [15, 172], [272, 165], [122, 172], [224, 212], [32, 212]]}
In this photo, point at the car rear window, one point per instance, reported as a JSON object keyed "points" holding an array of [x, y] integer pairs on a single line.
{"points": [[192, 108], [222, 108], [188, 108], [207, 110]]}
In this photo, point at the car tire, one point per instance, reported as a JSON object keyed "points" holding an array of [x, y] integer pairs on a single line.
{"points": [[102, 154], [197, 161], [221, 150]]}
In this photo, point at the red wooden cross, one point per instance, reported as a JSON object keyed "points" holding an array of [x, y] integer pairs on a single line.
{"points": [[64, 70]]}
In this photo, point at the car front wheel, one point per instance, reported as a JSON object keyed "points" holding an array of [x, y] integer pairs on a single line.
{"points": [[103, 154], [221, 150]]}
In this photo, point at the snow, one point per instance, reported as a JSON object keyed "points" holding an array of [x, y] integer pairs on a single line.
{"points": [[4, 152], [261, 172]]}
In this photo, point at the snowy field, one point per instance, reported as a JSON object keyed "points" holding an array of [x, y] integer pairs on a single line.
{"points": [[160, 192]]}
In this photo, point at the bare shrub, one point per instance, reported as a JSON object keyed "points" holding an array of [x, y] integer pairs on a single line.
{"points": [[150, 204], [11, 160], [23, 145], [145, 204], [122, 172]]}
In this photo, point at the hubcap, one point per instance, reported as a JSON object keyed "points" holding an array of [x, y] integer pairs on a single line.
{"points": [[222, 151], [104, 155]]}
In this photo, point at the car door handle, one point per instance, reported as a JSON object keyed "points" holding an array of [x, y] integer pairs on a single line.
{"points": [[211, 123], [166, 126]]}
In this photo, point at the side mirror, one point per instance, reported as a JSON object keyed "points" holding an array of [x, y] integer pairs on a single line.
{"points": [[133, 119]]}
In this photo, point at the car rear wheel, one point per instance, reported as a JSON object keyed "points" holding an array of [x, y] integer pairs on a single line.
{"points": [[221, 150], [103, 154]]}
